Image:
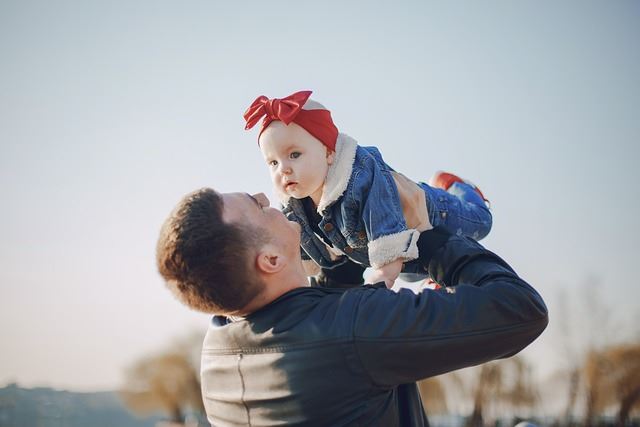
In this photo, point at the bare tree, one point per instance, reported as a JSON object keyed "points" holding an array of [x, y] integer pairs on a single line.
{"points": [[433, 395], [168, 382], [594, 371], [584, 324], [507, 384], [571, 354], [613, 376], [519, 391], [489, 384]]}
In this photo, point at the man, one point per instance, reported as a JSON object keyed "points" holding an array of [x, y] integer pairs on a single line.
{"points": [[278, 351]]}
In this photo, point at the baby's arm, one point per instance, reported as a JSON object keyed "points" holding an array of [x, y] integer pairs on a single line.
{"points": [[388, 273], [414, 209]]}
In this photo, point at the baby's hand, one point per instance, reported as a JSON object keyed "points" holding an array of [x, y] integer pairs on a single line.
{"points": [[388, 273]]}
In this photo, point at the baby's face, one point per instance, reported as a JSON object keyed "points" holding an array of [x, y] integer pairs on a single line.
{"points": [[297, 161]]}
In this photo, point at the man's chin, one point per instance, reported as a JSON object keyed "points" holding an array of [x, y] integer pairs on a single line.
{"points": [[297, 226]]}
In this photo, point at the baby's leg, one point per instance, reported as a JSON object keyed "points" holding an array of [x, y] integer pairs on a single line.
{"points": [[460, 208]]}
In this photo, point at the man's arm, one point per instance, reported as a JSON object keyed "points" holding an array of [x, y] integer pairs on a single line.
{"points": [[486, 312], [346, 275]]}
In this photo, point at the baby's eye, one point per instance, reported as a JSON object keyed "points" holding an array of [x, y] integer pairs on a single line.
{"points": [[273, 163], [295, 155]]}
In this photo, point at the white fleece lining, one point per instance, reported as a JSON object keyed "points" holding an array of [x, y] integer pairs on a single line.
{"points": [[388, 248], [339, 172]]}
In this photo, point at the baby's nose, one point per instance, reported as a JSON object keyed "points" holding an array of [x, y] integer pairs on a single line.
{"points": [[286, 169]]}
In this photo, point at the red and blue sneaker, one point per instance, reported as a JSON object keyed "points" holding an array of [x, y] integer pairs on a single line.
{"points": [[444, 180]]}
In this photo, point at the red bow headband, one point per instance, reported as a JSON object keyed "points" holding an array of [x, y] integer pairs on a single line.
{"points": [[317, 122]]}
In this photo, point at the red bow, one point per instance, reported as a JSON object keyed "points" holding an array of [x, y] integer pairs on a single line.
{"points": [[317, 122], [285, 109]]}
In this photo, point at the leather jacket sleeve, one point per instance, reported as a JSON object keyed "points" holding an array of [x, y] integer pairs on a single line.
{"points": [[485, 312], [347, 275]]}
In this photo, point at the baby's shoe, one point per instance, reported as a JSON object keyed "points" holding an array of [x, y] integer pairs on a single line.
{"points": [[445, 180]]}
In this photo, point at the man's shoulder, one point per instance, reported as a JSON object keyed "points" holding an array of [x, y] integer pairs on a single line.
{"points": [[304, 316], [309, 299]]}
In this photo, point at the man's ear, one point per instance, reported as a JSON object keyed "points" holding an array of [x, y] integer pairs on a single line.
{"points": [[269, 260]]}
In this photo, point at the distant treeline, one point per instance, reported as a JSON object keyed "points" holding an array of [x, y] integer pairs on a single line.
{"points": [[45, 407]]}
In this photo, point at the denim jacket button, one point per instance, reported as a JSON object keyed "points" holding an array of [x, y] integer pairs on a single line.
{"points": [[362, 234], [348, 249], [328, 227]]}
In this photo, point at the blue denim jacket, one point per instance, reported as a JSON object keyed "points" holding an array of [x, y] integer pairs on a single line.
{"points": [[361, 212]]}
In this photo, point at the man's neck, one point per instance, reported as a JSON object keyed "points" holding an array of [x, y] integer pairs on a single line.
{"points": [[274, 287]]}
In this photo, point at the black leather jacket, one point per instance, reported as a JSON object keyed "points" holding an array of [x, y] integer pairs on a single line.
{"points": [[335, 357]]}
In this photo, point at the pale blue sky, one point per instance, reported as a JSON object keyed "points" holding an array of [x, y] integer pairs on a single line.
{"points": [[111, 111]]}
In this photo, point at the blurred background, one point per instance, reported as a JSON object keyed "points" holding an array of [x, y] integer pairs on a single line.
{"points": [[111, 111]]}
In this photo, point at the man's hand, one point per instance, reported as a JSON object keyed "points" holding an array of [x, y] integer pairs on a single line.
{"points": [[388, 273], [346, 275]]}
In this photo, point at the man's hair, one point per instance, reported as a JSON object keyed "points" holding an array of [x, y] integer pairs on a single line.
{"points": [[205, 261]]}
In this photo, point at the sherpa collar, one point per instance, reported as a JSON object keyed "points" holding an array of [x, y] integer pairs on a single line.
{"points": [[338, 175], [339, 172]]}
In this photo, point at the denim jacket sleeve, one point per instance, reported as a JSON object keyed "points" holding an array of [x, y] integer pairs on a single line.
{"points": [[486, 312], [373, 194]]}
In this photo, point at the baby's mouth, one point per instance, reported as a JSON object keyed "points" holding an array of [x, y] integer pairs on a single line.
{"points": [[290, 185]]}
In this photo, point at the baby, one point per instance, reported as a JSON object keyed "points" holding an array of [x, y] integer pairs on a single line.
{"points": [[347, 200]]}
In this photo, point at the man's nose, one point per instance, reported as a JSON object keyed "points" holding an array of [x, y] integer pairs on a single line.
{"points": [[262, 199]]}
